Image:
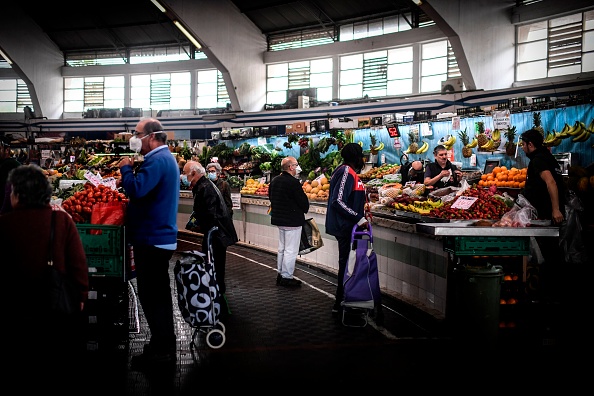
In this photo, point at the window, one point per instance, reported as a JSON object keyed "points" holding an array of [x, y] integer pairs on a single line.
{"points": [[299, 75], [376, 27], [161, 91], [82, 93], [136, 56], [557, 47], [434, 65], [211, 90], [14, 95]]}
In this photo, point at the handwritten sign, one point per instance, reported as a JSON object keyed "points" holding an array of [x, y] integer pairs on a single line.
{"points": [[464, 202], [93, 178]]}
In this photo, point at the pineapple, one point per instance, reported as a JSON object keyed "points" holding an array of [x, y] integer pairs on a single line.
{"points": [[481, 137], [413, 145], [510, 145], [537, 123], [466, 151]]}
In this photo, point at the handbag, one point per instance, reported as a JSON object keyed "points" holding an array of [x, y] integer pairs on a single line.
{"points": [[62, 294], [192, 223], [311, 237]]}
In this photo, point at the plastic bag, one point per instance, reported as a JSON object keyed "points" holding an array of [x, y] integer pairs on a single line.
{"points": [[111, 213], [520, 215], [570, 232]]}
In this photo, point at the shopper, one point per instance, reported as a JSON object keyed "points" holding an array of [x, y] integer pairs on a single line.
{"points": [[346, 207], [210, 211], [288, 206], [412, 172], [37, 342], [7, 163], [214, 174], [545, 191], [151, 225], [442, 173]]}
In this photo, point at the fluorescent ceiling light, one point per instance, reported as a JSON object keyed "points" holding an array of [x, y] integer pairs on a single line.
{"points": [[159, 6], [187, 34], [6, 58]]}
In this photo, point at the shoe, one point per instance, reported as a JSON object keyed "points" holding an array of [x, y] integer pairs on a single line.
{"points": [[149, 359], [278, 279], [289, 282]]}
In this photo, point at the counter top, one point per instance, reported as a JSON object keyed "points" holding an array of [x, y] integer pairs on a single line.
{"points": [[465, 228]]}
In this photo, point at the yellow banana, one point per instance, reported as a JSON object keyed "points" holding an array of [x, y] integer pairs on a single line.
{"points": [[496, 134], [472, 144], [424, 147], [585, 135], [488, 145], [577, 129]]}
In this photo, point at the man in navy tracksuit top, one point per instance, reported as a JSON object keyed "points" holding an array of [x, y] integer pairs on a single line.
{"points": [[346, 207]]}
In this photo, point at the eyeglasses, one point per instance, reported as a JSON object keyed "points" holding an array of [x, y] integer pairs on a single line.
{"points": [[137, 133], [212, 171]]}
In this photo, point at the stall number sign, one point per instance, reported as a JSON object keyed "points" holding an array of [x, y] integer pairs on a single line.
{"points": [[464, 202]]}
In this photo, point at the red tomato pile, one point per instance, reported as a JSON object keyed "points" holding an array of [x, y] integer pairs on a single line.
{"points": [[487, 206], [80, 204]]}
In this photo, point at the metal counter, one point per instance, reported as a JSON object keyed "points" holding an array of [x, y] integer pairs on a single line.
{"points": [[466, 228]]}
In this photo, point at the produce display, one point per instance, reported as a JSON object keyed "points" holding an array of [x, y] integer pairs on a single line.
{"points": [[318, 189], [488, 205], [80, 204]]}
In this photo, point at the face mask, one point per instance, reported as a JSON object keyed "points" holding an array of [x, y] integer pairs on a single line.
{"points": [[212, 176], [298, 169], [136, 143], [184, 179]]}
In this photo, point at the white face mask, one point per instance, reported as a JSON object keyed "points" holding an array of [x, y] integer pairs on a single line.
{"points": [[298, 170], [135, 143]]}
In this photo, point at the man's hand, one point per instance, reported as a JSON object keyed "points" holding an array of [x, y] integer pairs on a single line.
{"points": [[126, 161]]}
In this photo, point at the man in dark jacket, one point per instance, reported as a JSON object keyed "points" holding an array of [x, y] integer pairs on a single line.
{"points": [[346, 207], [288, 204]]}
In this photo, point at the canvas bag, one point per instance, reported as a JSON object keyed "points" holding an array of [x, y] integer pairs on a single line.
{"points": [[311, 237], [361, 278]]}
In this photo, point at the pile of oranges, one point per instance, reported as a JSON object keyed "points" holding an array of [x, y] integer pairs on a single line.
{"points": [[503, 177], [318, 189]]}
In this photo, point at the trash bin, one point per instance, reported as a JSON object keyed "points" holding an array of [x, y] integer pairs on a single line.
{"points": [[477, 294]]}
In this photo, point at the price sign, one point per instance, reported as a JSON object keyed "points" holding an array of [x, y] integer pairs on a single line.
{"points": [[94, 179], [464, 202]]}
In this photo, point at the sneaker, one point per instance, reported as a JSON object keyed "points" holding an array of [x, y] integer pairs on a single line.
{"points": [[290, 282], [149, 359]]}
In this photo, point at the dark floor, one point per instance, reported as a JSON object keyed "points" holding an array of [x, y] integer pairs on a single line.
{"points": [[286, 340]]}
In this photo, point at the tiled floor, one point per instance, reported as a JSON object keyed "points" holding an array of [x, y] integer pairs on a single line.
{"points": [[281, 340]]}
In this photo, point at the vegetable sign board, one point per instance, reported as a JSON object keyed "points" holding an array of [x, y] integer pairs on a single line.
{"points": [[464, 202]]}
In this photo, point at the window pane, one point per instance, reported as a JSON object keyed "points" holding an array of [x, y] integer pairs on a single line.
{"points": [[278, 97], [10, 84], [351, 91], [360, 30], [74, 94], [532, 32], [532, 51], [320, 80], [351, 62], [7, 96], [180, 103], [403, 24], [140, 80], [374, 93], [179, 91], [278, 70], [141, 103], [589, 20], [346, 32], [587, 62], [325, 94], [351, 76], [400, 87], [390, 25], [207, 76], [321, 65], [565, 20], [562, 71], [114, 93], [278, 84], [140, 93], [8, 107], [207, 89], [432, 83], [114, 104], [399, 55], [115, 81], [401, 70], [73, 83], [74, 106], [588, 41], [434, 50], [207, 102], [434, 66], [375, 55], [532, 70], [180, 78], [298, 65], [375, 28]]}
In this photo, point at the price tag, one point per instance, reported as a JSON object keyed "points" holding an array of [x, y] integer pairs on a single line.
{"points": [[94, 179], [464, 202], [109, 182]]}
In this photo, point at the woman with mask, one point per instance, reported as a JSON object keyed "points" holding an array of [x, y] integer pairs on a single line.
{"points": [[346, 207], [442, 173], [214, 174], [288, 205]]}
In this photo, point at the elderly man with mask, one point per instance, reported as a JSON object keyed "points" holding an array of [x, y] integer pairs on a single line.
{"points": [[214, 174], [288, 205]]}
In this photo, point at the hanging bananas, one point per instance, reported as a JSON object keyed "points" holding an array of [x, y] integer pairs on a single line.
{"points": [[424, 147]]}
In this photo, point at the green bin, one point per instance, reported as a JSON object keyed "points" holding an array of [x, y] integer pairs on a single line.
{"points": [[477, 294]]}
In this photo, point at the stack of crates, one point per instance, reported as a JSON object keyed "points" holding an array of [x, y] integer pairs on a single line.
{"points": [[106, 310]]}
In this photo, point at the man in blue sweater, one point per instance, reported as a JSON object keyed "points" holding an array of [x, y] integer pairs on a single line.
{"points": [[151, 226]]}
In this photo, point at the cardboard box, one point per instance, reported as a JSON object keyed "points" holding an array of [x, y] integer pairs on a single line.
{"points": [[124, 136], [170, 135], [299, 127]]}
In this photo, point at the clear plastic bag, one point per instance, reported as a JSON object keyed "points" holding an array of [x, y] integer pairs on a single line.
{"points": [[570, 232]]}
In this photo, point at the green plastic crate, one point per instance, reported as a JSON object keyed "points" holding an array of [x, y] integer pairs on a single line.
{"points": [[112, 266], [487, 245], [102, 240]]}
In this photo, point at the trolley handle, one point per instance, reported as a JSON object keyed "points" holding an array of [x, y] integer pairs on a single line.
{"points": [[367, 232]]}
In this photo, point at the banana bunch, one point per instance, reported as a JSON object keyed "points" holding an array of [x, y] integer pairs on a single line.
{"points": [[424, 147], [448, 141], [578, 132], [496, 135], [552, 139], [490, 145], [473, 143]]}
